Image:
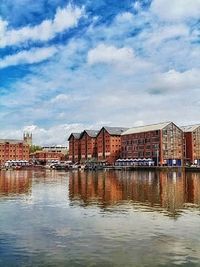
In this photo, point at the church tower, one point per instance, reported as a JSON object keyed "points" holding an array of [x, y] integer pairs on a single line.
{"points": [[28, 138]]}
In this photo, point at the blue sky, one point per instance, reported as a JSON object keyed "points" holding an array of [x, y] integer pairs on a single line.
{"points": [[70, 65]]}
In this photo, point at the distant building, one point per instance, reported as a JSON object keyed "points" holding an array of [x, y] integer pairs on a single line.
{"points": [[58, 149], [88, 145], [28, 138], [163, 142], [44, 157], [74, 147], [109, 143], [192, 143], [11, 149]]}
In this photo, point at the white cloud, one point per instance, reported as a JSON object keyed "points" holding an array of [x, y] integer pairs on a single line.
{"points": [[176, 9], [66, 99], [3, 26], [123, 58], [28, 57], [137, 5], [138, 123], [55, 135], [60, 99], [124, 17], [45, 136], [165, 33], [64, 19], [109, 54], [178, 81]]}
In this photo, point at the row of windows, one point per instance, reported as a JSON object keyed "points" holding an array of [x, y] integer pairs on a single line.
{"points": [[142, 135], [141, 147], [140, 141], [139, 155]]}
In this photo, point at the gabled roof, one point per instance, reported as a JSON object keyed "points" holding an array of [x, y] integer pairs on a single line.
{"points": [[11, 141], [75, 135], [190, 128], [147, 128], [91, 133], [115, 130]]}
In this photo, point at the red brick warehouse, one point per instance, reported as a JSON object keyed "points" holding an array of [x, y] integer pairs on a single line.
{"points": [[74, 147], [13, 150], [163, 142], [102, 146], [192, 143], [88, 145], [109, 144]]}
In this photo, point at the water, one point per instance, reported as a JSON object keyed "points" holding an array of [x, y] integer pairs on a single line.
{"points": [[51, 218]]}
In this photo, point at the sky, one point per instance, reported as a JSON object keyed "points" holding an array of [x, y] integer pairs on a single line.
{"points": [[66, 66]]}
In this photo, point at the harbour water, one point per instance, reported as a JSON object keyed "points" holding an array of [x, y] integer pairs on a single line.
{"points": [[105, 218]]}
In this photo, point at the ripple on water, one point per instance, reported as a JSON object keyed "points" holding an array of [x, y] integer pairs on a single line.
{"points": [[102, 219]]}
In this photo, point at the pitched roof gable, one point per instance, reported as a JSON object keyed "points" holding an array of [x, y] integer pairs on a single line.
{"points": [[147, 128], [92, 133], [190, 128], [115, 130], [75, 135]]}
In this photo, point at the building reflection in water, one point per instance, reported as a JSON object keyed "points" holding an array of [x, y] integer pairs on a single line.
{"points": [[193, 188], [163, 191], [14, 183]]}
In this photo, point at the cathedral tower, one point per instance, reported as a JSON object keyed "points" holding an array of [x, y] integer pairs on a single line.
{"points": [[28, 138]]}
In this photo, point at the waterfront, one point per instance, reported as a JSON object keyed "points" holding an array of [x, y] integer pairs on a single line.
{"points": [[108, 218]]}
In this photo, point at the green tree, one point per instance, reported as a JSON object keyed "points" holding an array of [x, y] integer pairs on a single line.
{"points": [[35, 148]]}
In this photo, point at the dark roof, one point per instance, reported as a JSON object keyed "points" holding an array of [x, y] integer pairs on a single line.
{"points": [[11, 141], [115, 130], [75, 135], [92, 133]]}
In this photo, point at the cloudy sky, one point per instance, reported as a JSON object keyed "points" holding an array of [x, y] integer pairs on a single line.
{"points": [[69, 65]]}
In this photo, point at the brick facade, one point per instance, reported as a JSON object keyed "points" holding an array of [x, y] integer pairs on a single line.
{"points": [[45, 156], [88, 145], [108, 146], [192, 144], [162, 142], [102, 146], [13, 150], [74, 147]]}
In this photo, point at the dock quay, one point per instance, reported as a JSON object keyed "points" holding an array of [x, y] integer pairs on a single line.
{"points": [[146, 168]]}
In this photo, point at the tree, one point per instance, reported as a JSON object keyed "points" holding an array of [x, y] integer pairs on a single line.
{"points": [[35, 148]]}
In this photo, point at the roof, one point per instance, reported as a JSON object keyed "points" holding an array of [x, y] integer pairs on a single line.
{"points": [[11, 141], [115, 130], [147, 128], [92, 133], [190, 128], [75, 135]]}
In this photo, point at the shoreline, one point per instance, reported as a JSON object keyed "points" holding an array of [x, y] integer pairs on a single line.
{"points": [[115, 168]]}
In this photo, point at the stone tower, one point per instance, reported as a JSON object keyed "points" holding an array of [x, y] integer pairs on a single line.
{"points": [[28, 138]]}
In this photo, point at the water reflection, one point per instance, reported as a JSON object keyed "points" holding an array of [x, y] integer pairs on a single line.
{"points": [[171, 191], [162, 191], [193, 188], [99, 219], [13, 183]]}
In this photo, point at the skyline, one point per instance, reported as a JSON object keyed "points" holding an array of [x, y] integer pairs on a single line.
{"points": [[66, 66]]}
